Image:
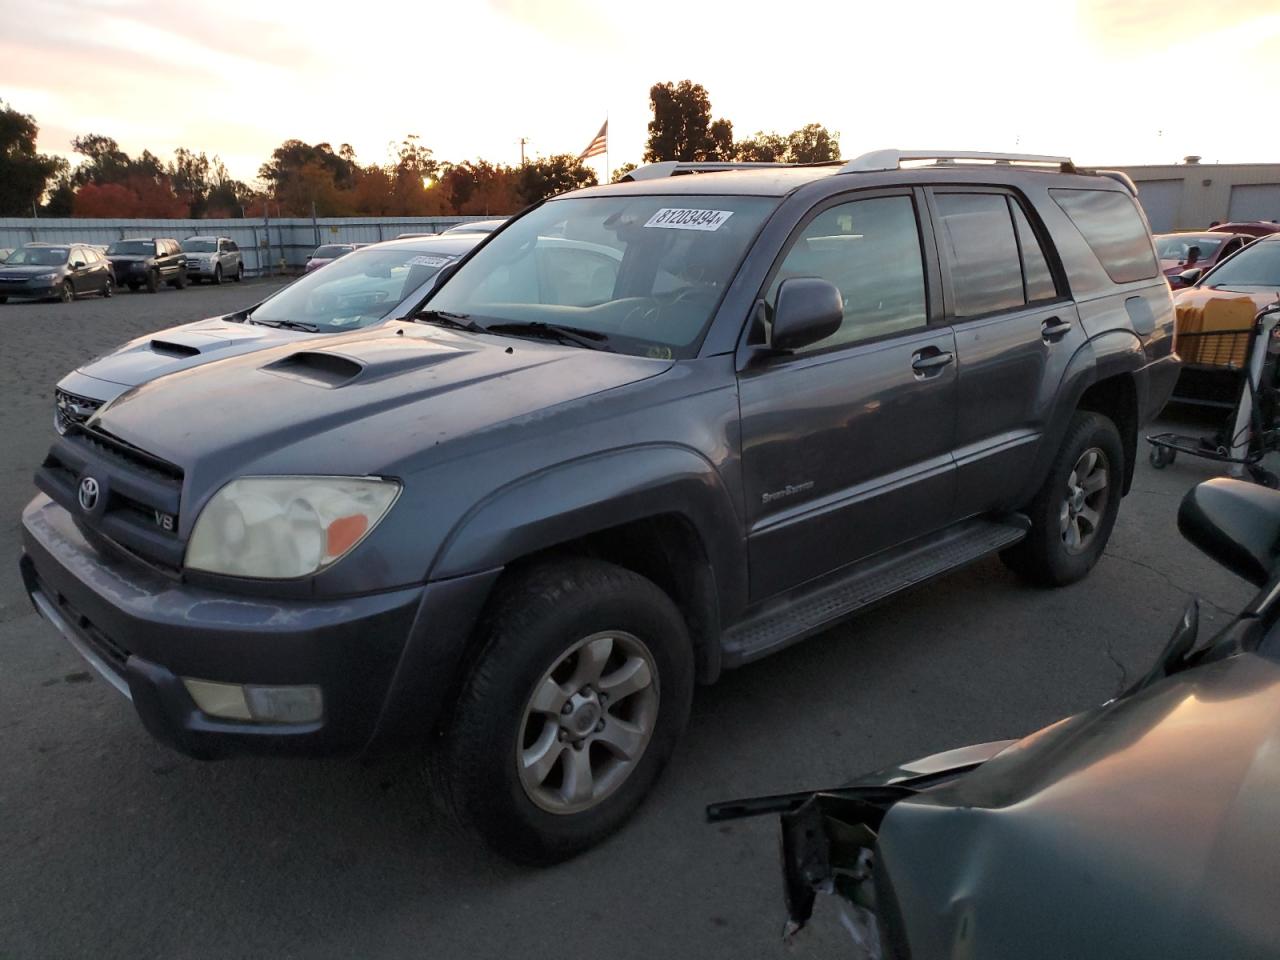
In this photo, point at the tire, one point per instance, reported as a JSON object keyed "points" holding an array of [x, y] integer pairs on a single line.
{"points": [[67, 293], [108, 288], [239, 272], [180, 283], [1047, 556], [217, 275], [153, 281], [549, 618]]}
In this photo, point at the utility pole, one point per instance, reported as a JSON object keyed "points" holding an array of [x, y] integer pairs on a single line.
{"points": [[523, 141]]}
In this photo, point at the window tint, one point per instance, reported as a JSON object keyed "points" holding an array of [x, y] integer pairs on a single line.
{"points": [[981, 252], [1035, 267], [870, 249], [231, 247], [1113, 229]]}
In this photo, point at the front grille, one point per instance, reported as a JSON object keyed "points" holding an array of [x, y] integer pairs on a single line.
{"points": [[70, 408], [136, 502]]}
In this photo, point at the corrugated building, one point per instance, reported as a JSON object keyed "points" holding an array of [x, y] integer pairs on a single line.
{"points": [[1191, 195]]}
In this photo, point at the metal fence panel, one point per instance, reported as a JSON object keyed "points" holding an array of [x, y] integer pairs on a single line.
{"points": [[265, 243]]}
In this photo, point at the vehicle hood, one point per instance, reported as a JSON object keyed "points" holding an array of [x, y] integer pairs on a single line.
{"points": [[378, 400], [1144, 828], [183, 347], [23, 271], [130, 257]]}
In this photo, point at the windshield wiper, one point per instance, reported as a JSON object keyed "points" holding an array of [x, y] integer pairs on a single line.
{"points": [[287, 324], [443, 318], [591, 339]]}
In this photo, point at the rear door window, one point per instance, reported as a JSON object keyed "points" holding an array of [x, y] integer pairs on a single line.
{"points": [[981, 251], [1035, 266], [1113, 228]]}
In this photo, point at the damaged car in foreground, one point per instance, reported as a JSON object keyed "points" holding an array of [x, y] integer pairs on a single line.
{"points": [[1146, 827]]}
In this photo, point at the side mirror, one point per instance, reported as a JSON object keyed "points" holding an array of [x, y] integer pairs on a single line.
{"points": [[77, 264], [1193, 254], [808, 310], [1189, 277], [1236, 523]]}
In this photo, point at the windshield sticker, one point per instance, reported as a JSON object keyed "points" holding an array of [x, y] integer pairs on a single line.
{"points": [[677, 218], [428, 261]]}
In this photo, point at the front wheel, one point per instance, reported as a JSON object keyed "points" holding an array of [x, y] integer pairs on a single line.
{"points": [[580, 692], [1073, 513], [108, 287], [180, 281], [66, 294], [239, 272], [217, 274], [153, 281]]}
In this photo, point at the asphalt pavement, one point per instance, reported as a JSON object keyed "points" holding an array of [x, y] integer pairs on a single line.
{"points": [[113, 846]]}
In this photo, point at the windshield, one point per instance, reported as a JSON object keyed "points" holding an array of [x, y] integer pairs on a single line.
{"points": [[1175, 246], [330, 251], [199, 245], [353, 292], [39, 256], [132, 247], [646, 272], [1257, 265]]}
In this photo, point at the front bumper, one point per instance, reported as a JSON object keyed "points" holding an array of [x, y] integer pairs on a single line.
{"points": [[144, 631], [28, 290]]}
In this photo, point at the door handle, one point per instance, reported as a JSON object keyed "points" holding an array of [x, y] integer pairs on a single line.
{"points": [[929, 364], [1054, 329]]}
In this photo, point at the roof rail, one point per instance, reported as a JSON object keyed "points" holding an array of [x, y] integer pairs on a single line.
{"points": [[670, 168], [1120, 177], [892, 159]]}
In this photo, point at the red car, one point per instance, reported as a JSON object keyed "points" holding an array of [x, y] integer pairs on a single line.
{"points": [[1185, 251], [1254, 228]]}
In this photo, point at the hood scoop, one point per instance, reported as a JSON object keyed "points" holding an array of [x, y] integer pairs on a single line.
{"points": [[314, 366], [170, 348]]}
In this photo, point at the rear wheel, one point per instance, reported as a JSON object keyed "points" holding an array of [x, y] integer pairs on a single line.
{"points": [[580, 692], [239, 271], [1075, 510]]}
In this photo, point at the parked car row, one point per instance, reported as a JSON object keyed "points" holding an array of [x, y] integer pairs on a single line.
{"points": [[66, 271]]}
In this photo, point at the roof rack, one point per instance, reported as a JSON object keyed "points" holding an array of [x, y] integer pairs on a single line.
{"points": [[892, 159], [671, 168]]}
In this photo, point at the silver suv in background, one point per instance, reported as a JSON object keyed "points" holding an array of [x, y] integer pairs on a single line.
{"points": [[213, 259]]}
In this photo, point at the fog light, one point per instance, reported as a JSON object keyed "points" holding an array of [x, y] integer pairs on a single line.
{"points": [[233, 701]]}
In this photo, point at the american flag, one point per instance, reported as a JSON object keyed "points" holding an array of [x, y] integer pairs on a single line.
{"points": [[599, 145]]}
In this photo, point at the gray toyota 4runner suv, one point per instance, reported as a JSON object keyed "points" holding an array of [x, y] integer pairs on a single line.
{"points": [[741, 405]]}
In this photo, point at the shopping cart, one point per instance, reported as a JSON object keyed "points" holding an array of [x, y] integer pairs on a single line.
{"points": [[1250, 431]]}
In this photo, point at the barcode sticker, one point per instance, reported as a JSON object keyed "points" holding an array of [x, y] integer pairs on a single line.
{"points": [[428, 261], [679, 218]]}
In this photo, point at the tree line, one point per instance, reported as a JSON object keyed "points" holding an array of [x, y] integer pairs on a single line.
{"points": [[300, 177]]}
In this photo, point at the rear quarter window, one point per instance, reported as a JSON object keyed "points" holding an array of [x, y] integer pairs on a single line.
{"points": [[1113, 228]]}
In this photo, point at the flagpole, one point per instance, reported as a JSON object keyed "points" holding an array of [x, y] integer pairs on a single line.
{"points": [[606, 146]]}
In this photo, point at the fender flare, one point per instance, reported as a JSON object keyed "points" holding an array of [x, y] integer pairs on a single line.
{"points": [[1110, 354], [579, 497]]}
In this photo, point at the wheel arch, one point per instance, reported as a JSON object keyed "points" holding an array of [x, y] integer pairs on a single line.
{"points": [[659, 510]]}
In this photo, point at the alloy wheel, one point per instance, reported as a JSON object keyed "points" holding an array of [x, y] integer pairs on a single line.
{"points": [[1085, 504], [587, 722]]}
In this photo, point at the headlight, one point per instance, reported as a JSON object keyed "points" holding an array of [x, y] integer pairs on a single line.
{"points": [[46, 276], [282, 527]]}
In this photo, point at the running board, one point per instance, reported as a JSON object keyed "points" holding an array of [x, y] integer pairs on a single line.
{"points": [[795, 616]]}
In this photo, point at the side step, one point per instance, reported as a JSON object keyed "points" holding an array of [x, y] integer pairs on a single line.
{"points": [[799, 614]]}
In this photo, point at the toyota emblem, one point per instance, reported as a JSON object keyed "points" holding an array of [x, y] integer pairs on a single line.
{"points": [[89, 493]]}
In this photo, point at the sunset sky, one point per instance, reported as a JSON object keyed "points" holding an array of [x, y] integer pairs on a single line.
{"points": [[1138, 81]]}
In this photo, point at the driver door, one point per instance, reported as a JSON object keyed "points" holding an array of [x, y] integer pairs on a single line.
{"points": [[846, 443]]}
